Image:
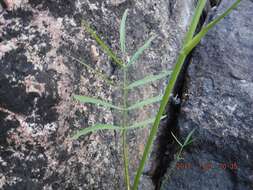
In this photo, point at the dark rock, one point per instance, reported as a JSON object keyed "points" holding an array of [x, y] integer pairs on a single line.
{"points": [[219, 105], [57, 8]]}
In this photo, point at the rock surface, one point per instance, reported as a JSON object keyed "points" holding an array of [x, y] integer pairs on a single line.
{"points": [[38, 79], [218, 103]]}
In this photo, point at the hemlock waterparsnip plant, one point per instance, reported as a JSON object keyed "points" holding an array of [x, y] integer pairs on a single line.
{"points": [[189, 43]]}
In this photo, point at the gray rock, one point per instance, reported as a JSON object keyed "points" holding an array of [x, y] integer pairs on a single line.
{"points": [[219, 104], [38, 79]]}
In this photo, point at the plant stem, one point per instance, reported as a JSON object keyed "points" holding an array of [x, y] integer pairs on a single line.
{"points": [[154, 129], [125, 118], [179, 153]]}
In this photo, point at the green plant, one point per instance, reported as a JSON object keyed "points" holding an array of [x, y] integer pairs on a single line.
{"points": [[125, 87], [190, 42], [187, 142]]}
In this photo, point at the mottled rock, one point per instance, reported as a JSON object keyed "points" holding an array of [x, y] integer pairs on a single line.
{"points": [[37, 112], [219, 105], [13, 4]]}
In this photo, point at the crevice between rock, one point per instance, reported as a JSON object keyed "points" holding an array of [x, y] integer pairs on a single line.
{"points": [[166, 144]]}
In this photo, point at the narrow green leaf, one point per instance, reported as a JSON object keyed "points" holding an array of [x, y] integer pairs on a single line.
{"points": [[94, 128], [190, 142], [177, 140], [123, 32], [192, 43], [144, 123], [188, 138], [102, 44], [98, 127], [86, 99], [145, 102], [98, 73], [148, 79], [140, 51]]}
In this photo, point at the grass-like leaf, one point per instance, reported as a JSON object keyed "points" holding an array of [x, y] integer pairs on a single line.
{"points": [[123, 32], [140, 51], [188, 138], [180, 144], [144, 123], [145, 102], [95, 128], [105, 48], [98, 127], [98, 102], [187, 142], [148, 79]]}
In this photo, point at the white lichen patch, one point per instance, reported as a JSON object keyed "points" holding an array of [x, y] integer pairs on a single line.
{"points": [[3, 180], [115, 2], [32, 86], [46, 25], [15, 4], [94, 53], [7, 46]]}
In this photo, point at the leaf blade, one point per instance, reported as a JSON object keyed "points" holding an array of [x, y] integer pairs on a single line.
{"points": [[143, 123], [98, 127], [177, 140], [145, 102], [102, 44], [188, 138], [123, 32], [92, 129], [140, 51], [148, 79], [86, 99]]}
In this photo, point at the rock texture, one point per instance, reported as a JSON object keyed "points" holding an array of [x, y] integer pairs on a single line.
{"points": [[218, 103], [38, 79]]}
